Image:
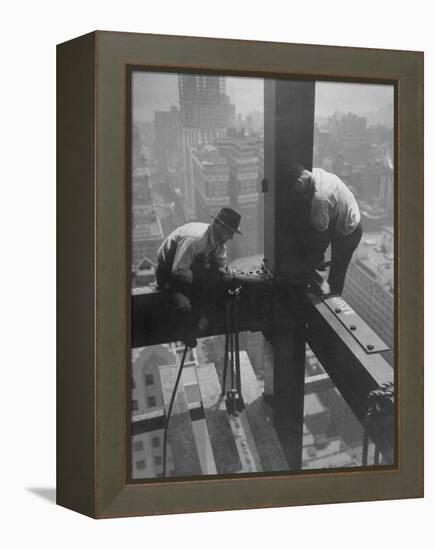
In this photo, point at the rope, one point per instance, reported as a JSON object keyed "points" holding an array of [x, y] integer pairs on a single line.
{"points": [[225, 365], [169, 412], [237, 346], [366, 437], [379, 402], [232, 354]]}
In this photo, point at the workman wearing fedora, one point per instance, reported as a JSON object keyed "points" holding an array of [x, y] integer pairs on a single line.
{"points": [[334, 218], [190, 262]]}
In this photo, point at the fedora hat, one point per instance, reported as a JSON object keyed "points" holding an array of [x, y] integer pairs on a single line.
{"points": [[229, 218]]}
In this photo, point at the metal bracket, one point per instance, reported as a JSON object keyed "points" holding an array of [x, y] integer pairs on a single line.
{"points": [[364, 335]]}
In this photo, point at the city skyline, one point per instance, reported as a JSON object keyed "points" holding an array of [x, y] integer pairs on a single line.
{"points": [[196, 155], [152, 91]]}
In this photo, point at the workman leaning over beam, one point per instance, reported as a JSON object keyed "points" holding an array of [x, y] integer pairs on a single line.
{"points": [[333, 217], [190, 262]]}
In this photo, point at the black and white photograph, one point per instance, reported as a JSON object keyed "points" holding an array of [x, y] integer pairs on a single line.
{"points": [[216, 223], [262, 275]]}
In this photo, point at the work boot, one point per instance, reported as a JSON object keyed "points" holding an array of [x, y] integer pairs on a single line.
{"points": [[189, 341], [189, 338]]}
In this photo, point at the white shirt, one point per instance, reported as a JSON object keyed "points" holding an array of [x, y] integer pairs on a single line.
{"points": [[185, 243], [333, 201]]}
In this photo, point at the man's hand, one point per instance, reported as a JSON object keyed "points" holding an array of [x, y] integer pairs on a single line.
{"points": [[206, 273], [212, 275]]}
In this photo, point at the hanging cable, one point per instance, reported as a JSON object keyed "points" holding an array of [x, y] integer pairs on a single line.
{"points": [[234, 400], [169, 412], [380, 402]]}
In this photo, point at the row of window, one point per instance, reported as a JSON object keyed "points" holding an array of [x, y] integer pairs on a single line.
{"points": [[248, 187], [223, 178], [151, 400], [155, 441], [379, 319], [247, 176], [215, 191], [141, 464]]}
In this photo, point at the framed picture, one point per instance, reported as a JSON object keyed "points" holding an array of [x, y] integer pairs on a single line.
{"points": [[240, 274]]}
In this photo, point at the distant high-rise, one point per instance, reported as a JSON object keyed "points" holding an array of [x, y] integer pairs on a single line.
{"points": [[376, 186], [352, 127], [203, 101], [167, 146], [227, 173], [136, 157], [210, 179], [205, 113], [146, 229], [243, 157], [369, 284]]}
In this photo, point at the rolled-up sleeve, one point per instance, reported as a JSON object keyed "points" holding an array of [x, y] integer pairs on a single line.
{"points": [[320, 214]]}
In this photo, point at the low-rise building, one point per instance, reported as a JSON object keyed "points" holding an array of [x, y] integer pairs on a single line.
{"points": [[369, 284]]}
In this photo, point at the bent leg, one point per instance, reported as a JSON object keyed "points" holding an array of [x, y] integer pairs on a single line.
{"points": [[342, 251], [183, 319]]}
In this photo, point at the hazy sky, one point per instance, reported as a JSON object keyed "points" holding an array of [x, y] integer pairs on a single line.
{"points": [[355, 98], [158, 91]]}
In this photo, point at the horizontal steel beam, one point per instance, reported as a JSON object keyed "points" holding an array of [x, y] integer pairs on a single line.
{"points": [[354, 372], [361, 331], [151, 315]]}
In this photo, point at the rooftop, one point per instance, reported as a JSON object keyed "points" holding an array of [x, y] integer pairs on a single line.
{"points": [[257, 438], [375, 256], [147, 227]]}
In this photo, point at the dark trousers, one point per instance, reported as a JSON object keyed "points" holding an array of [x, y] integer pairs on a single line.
{"points": [[342, 251], [189, 302], [184, 301]]}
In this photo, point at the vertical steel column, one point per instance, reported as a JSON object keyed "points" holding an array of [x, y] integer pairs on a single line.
{"points": [[289, 127]]}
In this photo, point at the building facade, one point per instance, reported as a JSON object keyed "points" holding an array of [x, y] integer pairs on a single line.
{"points": [[211, 181], [146, 229], [167, 145], [369, 284], [242, 155], [147, 403], [228, 173], [205, 114]]}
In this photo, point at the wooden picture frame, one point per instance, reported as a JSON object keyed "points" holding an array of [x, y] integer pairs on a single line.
{"points": [[93, 273]]}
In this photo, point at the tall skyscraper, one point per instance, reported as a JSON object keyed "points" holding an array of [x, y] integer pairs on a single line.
{"points": [[205, 113], [167, 147], [227, 173], [210, 181], [243, 157]]}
